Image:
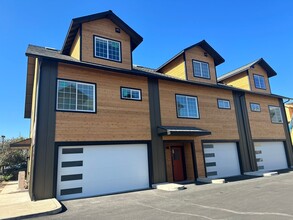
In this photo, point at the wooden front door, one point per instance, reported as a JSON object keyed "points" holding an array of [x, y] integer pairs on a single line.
{"points": [[177, 161]]}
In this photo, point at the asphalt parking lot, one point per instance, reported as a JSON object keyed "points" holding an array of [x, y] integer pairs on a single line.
{"points": [[257, 198]]}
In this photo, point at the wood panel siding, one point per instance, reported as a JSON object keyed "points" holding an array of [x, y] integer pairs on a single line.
{"points": [[211, 117], [188, 162], [75, 49], [260, 122], [258, 70], [105, 28], [222, 123], [239, 81], [197, 53], [116, 119], [176, 68]]}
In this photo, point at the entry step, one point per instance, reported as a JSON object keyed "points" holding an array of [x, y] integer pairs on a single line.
{"points": [[261, 173], [214, 181], [168, 186]]}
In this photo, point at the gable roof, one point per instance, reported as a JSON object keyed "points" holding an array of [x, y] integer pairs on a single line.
{"points": [[136, 39], [204, 45], [260, 61]]}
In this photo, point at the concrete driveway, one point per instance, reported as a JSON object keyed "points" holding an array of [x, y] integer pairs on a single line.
{"points": [[258, 198]]}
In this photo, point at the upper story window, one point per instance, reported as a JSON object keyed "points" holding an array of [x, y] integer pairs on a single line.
{"points": [[255, 107], [130, 93], [107, 49], [75, 96], [275, 113], [187, 106], [223, 103], [201, 69], [259, 81]]}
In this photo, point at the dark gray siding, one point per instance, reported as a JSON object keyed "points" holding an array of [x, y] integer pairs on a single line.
{"points": [[287, 143], [158, 153], [43, 177], [246, 146]]}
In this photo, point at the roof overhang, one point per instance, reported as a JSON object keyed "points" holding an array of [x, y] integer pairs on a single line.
{"points": [[181, 130], [136, 39], [218, 59], [24, 144]]}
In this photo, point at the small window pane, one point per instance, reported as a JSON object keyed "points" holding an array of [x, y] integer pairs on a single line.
{"points": [[225, 104], [187, 106], [74, 96], [275, 114], [201, 69], [259, 82], [255, 107], [107, 49], [128, 93]]}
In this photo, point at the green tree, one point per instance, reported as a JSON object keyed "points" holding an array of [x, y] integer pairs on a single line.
{"points": [[12, 160]]}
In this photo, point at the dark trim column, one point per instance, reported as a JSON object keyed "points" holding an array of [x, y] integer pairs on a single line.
{"points": [[246, 146], [43, 179], [157, 146], [288, 142]]}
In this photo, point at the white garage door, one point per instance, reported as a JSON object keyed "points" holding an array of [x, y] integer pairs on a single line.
{"points": [[270, 156], [221, 160], [85, 171]]}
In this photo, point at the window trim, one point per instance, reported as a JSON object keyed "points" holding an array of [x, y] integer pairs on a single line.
{"points": [[125, 87], [77, 111], [224, 100], [264, 81], [181, 117], [280, 113], [108, 39], [251, 103], [198, 61]]}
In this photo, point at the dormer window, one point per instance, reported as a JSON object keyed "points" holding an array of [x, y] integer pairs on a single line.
{"points": [[107, 49], [201, 69], [259, 81]]}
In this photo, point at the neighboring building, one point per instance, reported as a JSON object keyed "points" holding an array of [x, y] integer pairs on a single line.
{"points": [[289, 114], [101, 125]]}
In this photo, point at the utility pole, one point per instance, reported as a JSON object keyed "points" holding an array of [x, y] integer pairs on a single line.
{"points": [[3, 137]]}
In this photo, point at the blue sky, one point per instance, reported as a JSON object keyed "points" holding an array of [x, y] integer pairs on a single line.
{"points": [[240, 31]]}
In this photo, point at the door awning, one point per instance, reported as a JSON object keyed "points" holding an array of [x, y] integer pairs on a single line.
{"points": [[182, 130]]}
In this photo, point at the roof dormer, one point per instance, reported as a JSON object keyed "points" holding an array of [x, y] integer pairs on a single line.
{"points": [[195, 63], [101, 38], [253, 77]]}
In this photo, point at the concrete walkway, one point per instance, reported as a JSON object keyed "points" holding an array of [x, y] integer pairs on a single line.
{"points": [[16, 203]]}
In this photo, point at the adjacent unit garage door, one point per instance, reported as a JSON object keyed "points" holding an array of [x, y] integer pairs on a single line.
{"points": [[270, 156], [221, 160], [85, 171]]}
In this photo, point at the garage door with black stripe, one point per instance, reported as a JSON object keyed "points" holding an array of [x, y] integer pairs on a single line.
{"points": [[221, 160], [85, 171], [270, 156]]}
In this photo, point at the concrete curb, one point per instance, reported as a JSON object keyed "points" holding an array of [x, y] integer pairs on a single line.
{"points": [[261, 174], [213, 181], [168, 186]]}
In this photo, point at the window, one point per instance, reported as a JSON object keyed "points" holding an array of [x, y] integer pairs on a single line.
{"points": [[75, 96], [129, 93], [259, 82], [107, 49], [201, 69], [223, 103], [187, 106], [275, 113], [254, 107]]}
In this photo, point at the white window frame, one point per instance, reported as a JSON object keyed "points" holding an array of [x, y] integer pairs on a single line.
{"points": [[274, 108], [257, 81], [254, 109], [131, 93], [107, 40], [223, 106], [201, 73], [76, 96], [188, 116]]}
